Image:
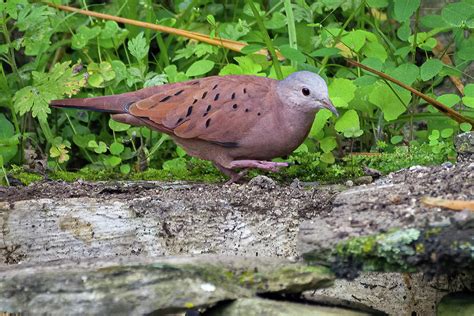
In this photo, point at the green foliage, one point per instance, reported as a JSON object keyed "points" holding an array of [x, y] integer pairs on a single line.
{"points": [[49, 54]]}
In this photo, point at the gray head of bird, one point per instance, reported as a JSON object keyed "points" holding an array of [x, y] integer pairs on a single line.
{"points": [[305, 91]]}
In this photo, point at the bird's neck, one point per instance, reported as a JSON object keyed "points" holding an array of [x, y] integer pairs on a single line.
{"points": [[297, 123]]}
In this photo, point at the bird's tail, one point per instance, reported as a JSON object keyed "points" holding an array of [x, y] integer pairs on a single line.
{"points": [[114, 104]]}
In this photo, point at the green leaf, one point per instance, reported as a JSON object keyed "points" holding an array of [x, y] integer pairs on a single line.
{"points": [[449, 99], [468, 101], [375, 50], [377, 3], [348, 121], [469, 90], [277, 21], [406, 73], [231, 69], [328, 144], [404, 9], [355, 40], [341, 91], [435, 134], [303, 148], [116, 148], [61, 80], [457, 14], [83, 141], [112, 36], [321, 118], [113, 161], [125, 169], [248, 65], [117, 126], [430, 68], [101, 148], [433, 21], [447, 132], [384, 98], [95, 80], [396, 139], [173, 75], [328, 158], [92, 144], [199, 68], [292, 54], [138, 47], [465, 127], [326, 52], [83, 35], [8, 140], [404, 31], [250, 49], [177, 165]]}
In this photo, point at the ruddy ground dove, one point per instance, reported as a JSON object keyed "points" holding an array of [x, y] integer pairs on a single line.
{"points": [[237, 122]]}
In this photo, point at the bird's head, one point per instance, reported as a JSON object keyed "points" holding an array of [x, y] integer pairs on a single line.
{"points": [[305, 91]]}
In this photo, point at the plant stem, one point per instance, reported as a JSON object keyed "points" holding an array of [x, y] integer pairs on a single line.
{"points": [[291, 28], [6, 176], [267, 39]]}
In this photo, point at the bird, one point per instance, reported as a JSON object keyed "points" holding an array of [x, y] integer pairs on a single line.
{"points": [[237, 122]]}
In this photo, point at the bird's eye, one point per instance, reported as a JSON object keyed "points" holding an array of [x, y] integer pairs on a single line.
{"points": [[305, 91]]}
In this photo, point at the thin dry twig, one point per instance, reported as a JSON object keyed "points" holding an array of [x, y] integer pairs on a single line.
{"points": [[222, 42], [455, 205]]}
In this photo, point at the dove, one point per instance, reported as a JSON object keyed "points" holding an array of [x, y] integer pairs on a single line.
{"points": [[236, 121]]}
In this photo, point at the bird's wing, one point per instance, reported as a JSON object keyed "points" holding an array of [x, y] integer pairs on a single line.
{"points": [[215, 109]]}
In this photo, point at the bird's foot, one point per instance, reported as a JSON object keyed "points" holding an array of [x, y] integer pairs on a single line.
{"points": [[235, 177], [259, 164]]}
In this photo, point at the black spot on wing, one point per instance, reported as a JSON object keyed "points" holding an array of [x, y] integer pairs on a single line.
{"points": [[190, 110], [165, 98], [204, 95], [179, 92], [208, 122], [216, 97]]}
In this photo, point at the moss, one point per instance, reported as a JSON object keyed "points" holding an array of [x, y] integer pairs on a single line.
{"points": [[306, 167], [432, 250], [23, 176]]}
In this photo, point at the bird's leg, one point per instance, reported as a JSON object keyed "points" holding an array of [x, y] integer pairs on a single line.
{"points": [[260, 164], [235, 177]]}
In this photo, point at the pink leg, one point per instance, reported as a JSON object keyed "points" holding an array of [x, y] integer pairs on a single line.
{"points": [[260, 164]]}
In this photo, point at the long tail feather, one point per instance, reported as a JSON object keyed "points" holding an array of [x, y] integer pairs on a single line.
{"points": [[109, 104], [114, 104]]}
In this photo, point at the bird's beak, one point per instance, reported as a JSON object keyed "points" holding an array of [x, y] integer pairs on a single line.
{"points": [[328, 105]]}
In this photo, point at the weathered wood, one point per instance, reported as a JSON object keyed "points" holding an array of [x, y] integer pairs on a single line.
{"points": [[385, 226], [260, 306], [142, 286], [111, 220]]}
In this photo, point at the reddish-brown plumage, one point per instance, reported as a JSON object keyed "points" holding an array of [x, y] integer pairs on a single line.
{"points": [[222, 119]]}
